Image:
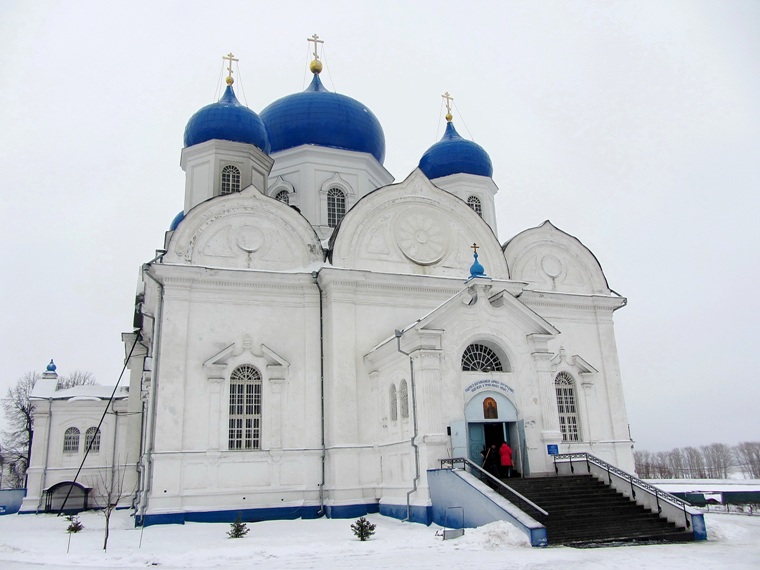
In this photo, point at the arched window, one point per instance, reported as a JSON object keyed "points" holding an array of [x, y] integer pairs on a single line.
{"points": [[245, 408], [336, 206], [394, 403], [490, 409], [474, 203], [92, 435], [568, 411], [283, 196], [404, 399], [230, 180], [71, 440], [480, 358]]}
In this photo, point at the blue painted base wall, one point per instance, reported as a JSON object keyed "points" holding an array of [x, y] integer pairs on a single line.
{"points": [[256, 515], [422, 515]]}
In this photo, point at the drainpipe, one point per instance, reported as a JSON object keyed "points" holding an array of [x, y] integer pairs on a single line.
{"points": [[47, 452], [151, 416], [315, 276], [414, 432]]}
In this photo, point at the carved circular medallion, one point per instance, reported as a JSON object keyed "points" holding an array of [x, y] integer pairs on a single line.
{"points": [[249, 238], [421, 238], [551, 266]]}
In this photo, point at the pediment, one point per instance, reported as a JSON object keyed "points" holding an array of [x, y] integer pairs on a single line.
{"points": [[549, 259], [483, 307], [246, 230], [572, 362], [415, 227], [217, 365]]}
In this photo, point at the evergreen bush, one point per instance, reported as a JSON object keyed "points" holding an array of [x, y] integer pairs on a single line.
{"points": [[363, 529], [238, 529], [75, 525]]}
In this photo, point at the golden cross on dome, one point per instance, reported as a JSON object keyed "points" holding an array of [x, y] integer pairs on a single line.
{"points": [[475, 247], [230, 58], [316, 40], [449, 99]]}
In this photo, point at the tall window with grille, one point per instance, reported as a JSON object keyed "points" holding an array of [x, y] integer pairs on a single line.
{"points": [[336, 206], [566, 406], [92, 435], [480, 358], [245, 408], [403, 390], [230, 180], [71, 440], [474, 203], [394, 403]]}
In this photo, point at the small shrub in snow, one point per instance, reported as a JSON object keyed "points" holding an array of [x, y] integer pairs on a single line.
{"points": [[238, 529], [363, 529], [75, 525]]}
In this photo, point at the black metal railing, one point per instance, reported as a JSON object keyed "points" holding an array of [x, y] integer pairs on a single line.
{"points": [[634, 482], [497, 484]]}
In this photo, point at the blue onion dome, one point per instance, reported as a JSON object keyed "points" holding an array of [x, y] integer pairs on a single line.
{"points": [[227, 120], [177, 219], [51, 367], [320, 117], [455, 155]]}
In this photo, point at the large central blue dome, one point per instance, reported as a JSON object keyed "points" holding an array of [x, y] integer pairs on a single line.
{"points": [[319, 117], [455, 155], [227, 120]]}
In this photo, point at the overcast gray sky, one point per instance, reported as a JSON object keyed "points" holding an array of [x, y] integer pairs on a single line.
{"points": [[634, 126]]}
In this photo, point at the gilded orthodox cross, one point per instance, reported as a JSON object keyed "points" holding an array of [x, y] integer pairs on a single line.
{"points": [[229, 57], [316, 40], [448, 99], [475, 247]]}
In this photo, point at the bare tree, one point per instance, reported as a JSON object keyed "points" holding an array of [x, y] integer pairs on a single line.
{"points": [[717, 460], [76, 378], [17, 439], [695, 463], [111, 486], [643, 463], [747, 455]]}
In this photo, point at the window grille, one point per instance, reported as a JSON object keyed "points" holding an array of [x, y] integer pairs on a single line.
{"points": [[480, 358], [282, 196], [71, 440], [336, 206], [404, 399], [92, 435], [230, 180], [394, 403], [568, 411], [474, 203], [245, 408]]}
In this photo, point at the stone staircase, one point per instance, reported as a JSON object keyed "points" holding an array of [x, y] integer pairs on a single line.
{"points": [[585, 512]]}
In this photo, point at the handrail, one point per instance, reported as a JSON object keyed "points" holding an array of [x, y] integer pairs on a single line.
{"points": [[449, 463], [627, 477]]}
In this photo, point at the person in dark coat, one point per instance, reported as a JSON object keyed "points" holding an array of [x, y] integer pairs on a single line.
{"points": [[491, 460]]}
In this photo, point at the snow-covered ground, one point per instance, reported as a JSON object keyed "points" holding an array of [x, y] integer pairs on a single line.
{"points": [[30, 541]]}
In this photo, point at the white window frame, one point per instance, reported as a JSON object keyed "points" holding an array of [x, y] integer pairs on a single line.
{"points": [[567, 407], [475, 204], [230, 180], [71, 440], [244, 412], [92, 434]]}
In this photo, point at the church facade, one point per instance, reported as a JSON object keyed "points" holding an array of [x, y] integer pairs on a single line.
{"points": [[313, 337]]}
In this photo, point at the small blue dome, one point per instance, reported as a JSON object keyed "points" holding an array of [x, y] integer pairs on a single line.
{"points": [[319, 117], [227, 120], [177, 219], [476, 269], [455, 155], [51, 367]]}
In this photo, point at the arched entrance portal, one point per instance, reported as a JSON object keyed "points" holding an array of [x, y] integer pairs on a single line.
{"points": [[492, 419]]}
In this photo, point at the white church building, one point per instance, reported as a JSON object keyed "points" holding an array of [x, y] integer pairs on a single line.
{"points": [[312, 337]]}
